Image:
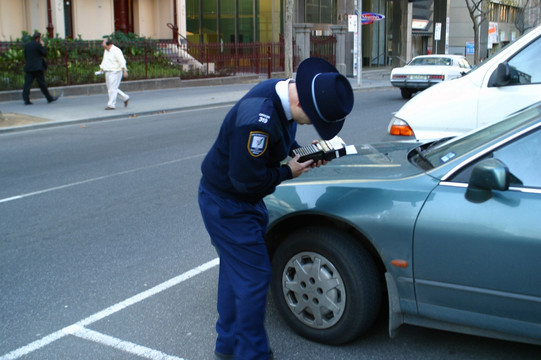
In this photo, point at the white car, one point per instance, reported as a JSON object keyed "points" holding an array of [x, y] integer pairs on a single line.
{"points": [[424, 71], [507, 82]]}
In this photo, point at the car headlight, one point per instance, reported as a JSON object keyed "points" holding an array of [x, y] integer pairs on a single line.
{"points": [[400, 127]]}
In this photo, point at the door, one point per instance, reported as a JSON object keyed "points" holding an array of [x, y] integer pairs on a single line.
{"points": [[124, 16], [523, 89], [68, 19], [479, 264]]}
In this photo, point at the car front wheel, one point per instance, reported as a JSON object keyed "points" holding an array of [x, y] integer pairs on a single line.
{"points": [[325, 285]]}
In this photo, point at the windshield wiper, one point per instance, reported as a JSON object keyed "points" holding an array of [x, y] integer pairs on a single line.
{"points": [[420, 155]]}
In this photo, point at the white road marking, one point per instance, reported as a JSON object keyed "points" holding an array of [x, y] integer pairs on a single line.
{"points": [[78, 329], [119, 344], [21, 196]]}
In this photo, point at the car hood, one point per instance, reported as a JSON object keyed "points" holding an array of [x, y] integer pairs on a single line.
{"points": [[387, 160], [445, 109]]}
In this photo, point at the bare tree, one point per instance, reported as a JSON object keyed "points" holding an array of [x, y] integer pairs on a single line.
{"points": [[528, 16], [478, 10]]}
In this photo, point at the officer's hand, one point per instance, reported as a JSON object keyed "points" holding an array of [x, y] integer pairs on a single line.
{"points": [[319, 163], [298, 168]]}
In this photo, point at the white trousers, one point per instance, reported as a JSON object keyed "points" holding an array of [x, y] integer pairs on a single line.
{"points": [[112, 80]]}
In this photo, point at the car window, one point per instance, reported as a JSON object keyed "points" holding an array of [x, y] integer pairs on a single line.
{"points": [[522, 157], [525, 67]]}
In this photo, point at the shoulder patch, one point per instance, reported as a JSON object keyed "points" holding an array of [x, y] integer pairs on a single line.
{"points": [[257, 143]]}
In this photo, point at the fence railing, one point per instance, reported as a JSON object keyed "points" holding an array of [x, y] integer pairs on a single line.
{"points": [[73, 62], [255, 58], [323, 47]]}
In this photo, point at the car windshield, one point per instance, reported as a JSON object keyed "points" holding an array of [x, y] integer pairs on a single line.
{"points": [[431, 61], [432, 155]]}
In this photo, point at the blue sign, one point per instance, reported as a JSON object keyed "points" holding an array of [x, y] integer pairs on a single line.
{"points": [[470, 47], [369, 17]]}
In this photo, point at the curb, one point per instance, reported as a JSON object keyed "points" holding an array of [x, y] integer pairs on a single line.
{"points": [[52, 123], [135, 85]]}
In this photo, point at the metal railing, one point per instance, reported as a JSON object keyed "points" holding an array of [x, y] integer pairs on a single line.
{"points": [[73, 62]]}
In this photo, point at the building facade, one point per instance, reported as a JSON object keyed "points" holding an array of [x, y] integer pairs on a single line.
{"points": [[407, 30]]}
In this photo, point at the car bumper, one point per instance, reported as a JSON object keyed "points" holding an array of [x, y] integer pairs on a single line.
{"points": [[413, 84]]}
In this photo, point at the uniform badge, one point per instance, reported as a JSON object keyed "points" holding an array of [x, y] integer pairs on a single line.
{"points": [[257, 143]]}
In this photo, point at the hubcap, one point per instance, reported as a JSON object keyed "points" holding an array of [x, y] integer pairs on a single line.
{"points": [[314, 290]]}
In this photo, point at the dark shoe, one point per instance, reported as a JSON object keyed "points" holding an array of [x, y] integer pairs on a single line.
{"points": [[220, 356], [126, 103], [53, 99], [28, 102], [109, 108]]}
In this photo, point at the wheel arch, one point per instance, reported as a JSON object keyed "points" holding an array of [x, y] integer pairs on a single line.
{"points": [[276, 233]]}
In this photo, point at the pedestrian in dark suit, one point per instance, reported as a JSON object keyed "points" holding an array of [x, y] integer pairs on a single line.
{"points": [[34, 54]]}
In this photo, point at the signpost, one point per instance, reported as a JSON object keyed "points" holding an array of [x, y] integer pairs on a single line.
{"points": [[437, 35], [354, 26]]}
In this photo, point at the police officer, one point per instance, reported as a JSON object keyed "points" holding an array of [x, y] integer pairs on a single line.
{"points": [[241, 168]]}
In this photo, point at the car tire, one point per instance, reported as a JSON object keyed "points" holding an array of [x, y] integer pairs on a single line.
{"points": [[325, 285], [406, 93]]}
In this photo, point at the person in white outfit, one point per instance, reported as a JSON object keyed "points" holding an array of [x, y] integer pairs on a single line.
{"points": [[114, 66]]}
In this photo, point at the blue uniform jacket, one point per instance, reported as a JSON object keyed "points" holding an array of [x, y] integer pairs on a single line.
{"points": [[244, 162]]}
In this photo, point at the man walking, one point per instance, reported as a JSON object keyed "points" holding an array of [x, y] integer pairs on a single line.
{"points": [[242, 167], [34, 54], [114, 66]]}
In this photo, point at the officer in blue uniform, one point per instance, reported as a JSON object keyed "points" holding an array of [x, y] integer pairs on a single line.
{"points": [[241, 168]]}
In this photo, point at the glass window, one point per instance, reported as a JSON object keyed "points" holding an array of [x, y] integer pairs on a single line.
{"points": [[227, 20], [522, 157], [246, 22], [268, 24], [210, 21], [192, 20], [320, 11], [524, 66]]}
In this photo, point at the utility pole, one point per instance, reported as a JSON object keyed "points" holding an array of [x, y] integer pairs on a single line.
{"points": [[359, 10], [288, 39]]}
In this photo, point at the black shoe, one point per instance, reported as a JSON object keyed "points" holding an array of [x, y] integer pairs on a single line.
{"points": [[53, 99], [28, 102], [220, 356]]}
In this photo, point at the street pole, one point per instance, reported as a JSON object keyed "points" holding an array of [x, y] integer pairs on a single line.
{"points": [[288, 40], [359, 10]]}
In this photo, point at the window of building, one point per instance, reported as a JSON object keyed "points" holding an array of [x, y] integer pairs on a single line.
{"points": [[320, 11], [230, 21]]}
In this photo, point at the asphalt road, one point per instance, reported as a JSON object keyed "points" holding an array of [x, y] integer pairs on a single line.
{"points": [[103, 254]]}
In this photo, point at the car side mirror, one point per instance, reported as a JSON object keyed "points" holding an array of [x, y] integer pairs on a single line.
{"points": [[487, 175], [500, 77]]}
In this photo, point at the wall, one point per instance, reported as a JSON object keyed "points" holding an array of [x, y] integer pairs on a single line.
{"points": [[12, 24], [92, 19]]}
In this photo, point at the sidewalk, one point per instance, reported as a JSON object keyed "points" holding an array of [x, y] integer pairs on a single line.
{"points": [[71, 109]]}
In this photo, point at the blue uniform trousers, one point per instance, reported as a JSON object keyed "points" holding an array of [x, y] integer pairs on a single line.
{"points": [[237, 230]]}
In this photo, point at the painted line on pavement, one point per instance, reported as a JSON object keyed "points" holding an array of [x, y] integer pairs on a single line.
{"points": [[78, 329], [22, 196], [119, 344]]}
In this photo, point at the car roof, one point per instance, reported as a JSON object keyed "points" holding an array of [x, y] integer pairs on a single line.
{"points": [[439, 56]]}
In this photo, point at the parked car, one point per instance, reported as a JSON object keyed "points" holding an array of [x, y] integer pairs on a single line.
{"points": [[425, 71], [507, 82], [447, 232]]}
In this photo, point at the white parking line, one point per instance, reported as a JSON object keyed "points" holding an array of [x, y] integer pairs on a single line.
{"points": [[78, 329], [113, 342], [21, 196]]}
